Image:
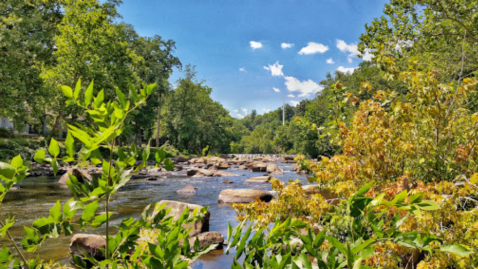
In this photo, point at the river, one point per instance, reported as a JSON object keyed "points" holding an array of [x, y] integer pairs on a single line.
{"points": [[36, 195]]}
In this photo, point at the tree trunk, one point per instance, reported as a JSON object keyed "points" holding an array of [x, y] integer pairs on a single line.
{"points": [[159, 122], [53, 127]]}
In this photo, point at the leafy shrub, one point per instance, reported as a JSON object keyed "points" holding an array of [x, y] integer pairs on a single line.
{"points": [[6, 132]]}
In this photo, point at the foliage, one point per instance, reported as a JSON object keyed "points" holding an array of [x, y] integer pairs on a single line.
{"points": [[370, 226], [194, 120], [11, 147], [91, 196]]}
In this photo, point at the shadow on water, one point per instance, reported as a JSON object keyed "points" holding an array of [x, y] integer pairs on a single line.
{"points": [[36, 195]]}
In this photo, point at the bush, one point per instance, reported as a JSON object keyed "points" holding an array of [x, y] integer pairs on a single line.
{"points": [[6, 133], [10, 148]]}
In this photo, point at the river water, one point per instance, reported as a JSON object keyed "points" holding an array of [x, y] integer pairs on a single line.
{"points": [[36, 195]]}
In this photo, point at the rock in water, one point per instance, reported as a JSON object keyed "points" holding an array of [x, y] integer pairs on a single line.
{"points": [[243, 196], [262, 179], [80, 174], [227, 181], [89, 244], [257, 167], [187, 190], [225, 174], [177, 209], [271, 168], [207, 238]]}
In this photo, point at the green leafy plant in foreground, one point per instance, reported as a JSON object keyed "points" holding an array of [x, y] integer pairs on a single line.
{"points": [[92, 196], [290, 244]]}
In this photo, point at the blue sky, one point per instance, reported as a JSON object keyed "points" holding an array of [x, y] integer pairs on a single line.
{"points": [[251, 52]]}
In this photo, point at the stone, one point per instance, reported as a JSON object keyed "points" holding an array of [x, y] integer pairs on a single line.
{"points": [[222, 166], [206, 239], [225, 174], [200, 172], [242, 167], [89, 244], [80, 174], [276, 173], [178, 168], [187, 190], [243, 196], [177, 209], [180, 159], [257, 167], [262, 179], [227, 181], [271, 168]]}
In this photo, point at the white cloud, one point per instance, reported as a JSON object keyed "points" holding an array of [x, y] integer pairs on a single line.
{"points": [[266, 110], [276, 69], [353, 51], [349, 70], [330, 61], [239, 116], [236, 111], [294, 103], [242, 69], [304, 88], [313, 48], [255, 45], [275, 89], [286, 45], [291, 95], [244, 110]]}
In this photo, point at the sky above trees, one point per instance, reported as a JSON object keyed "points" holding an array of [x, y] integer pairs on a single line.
{"points": [[252, 52]]}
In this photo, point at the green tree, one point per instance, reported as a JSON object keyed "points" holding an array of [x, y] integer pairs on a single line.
{"points": [[27, 32]]}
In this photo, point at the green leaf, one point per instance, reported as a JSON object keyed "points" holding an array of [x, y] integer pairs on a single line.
{"points": [[336, 243], [89, 94], [364, 189], [168, 165], [416, 198], [99, 98], [54, 148], [67, 91], [456, 249], [39, 156], [55, 212], [5, 256], [17, 161], [160, 156], [428, 205], [70, 145], [89, 211], [399, 198], [7, 170], [76, 94], [121, 98]]}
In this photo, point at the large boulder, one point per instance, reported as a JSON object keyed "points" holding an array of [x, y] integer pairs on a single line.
{"points": [[80, 174], [222, 166], [187, 190], [177, 209], [257, 167], [180, 159], [89, 244], [242, 167], [206, 239], [262, 179], [243, 196], [225, 174], [271, 168]]}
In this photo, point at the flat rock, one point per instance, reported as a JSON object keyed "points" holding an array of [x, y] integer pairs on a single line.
{"points": [[262, 179], [187, 190], [197, 172], [225, 174], [89, 244], [227, 181], [257, 167], [243, 196]]}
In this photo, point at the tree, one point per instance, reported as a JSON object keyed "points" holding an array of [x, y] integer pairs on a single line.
{"points": [[90, 47], [27, 44]]}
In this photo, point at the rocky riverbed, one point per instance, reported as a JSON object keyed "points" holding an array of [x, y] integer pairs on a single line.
{"points": [[214, 182]]}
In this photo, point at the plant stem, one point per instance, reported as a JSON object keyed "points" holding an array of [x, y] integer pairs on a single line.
{"points": [[108, 197], [16, 247]]}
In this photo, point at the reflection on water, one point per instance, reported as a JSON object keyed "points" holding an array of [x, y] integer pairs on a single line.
{"points": [[38, 194]]}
